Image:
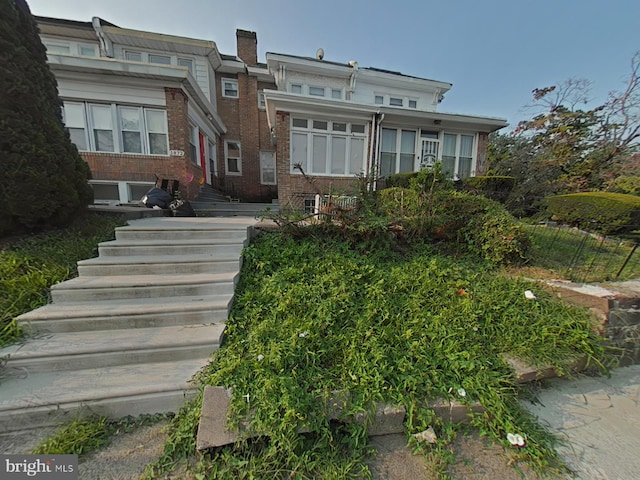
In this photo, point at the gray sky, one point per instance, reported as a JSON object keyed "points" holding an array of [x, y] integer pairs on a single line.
{"points": [[493, 51]]}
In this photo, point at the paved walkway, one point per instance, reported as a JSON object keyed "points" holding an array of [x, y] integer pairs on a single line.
{"points": [[599, 418]]}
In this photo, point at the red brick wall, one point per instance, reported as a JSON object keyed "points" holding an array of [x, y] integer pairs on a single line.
{"points": [[247, 46], [481, 155], [131, 167], [247, 124]]}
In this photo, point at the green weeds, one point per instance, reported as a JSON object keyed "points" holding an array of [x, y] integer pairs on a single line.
{"points": [[312, 316], [28, 267]]}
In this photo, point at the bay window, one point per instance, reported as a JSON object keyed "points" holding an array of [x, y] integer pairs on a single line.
{"points": [[117, 128], [324, 147]]}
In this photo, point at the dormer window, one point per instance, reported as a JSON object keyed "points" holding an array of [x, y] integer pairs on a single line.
{"points": [[159, 59], [395, 102], [132, 56], [58, 49], [316, 91], [413, 104], [336, 93], [187, 63], [379, 100], [295, 88]]}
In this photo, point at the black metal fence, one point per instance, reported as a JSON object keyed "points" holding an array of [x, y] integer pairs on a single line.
{"points": [[585, 257]]}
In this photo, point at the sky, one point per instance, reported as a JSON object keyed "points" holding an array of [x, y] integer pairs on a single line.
{"points": [[494, 52]]}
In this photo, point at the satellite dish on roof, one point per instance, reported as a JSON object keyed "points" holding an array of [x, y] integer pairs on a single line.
{"points": [[320, 53]]}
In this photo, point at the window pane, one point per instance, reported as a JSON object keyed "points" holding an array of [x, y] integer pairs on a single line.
{"points": [[464, 168], [319, 163], [88, 51], [357, 128], [339, 127], [336, 93], [131, 142], [317, 91], [466, 146], [356, 158], [397, 102], [105, 191], [233, 149], [186, 62], [104, 140], [78, 138], [388, 140], [338, 155], [300, 122], [299, 149], [408, 142], [101, 115], [413, 104], [133, 56], [156, 121], [406, 162], [58, 49], [233, 165], [379, 100], [74, 115], [161, 59], [158, 144], [296, 88], [427, 134], [449, 145], [130, 118], [261, 101], [230, 88], [320, 125], [387, 164], [448, 165]]}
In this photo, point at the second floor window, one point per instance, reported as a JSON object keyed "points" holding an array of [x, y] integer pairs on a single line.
{"points": [[230, 87]]}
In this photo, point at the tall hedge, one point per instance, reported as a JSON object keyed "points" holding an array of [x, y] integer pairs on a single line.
{"points": [[597, 211], [44, 179]]}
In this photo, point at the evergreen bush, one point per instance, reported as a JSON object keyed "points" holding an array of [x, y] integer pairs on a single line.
{"points": [[603, 212], [44, 179], [496, 188]]}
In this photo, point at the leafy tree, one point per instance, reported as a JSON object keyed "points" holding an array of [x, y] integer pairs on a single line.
{"points": [[44, 179]]}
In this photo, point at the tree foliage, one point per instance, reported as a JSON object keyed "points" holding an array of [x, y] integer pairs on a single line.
{"points": [[567, 147], [44, 178]]}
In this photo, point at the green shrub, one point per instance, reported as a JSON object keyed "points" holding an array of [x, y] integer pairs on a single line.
{"points": [[496, 188], [603, 212], [625, 184], [400, 180], [397, 202]]}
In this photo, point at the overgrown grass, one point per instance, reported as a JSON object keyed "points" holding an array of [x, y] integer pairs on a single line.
{"points": [[87, 434], [582, 257], [30, 265], [312, 316]]}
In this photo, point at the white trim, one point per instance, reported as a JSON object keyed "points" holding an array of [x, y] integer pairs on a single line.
{"points": [[223, 89], [262, 168], [226, 158]]}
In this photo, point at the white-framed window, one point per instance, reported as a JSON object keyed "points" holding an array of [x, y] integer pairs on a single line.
{"points": [[117, 128], [133, 56], [58, 49], [230, 87], [316, 91], [327, 147], [193, 143], [187, 63], [395, 101], [378, 99], [101, 118], [457, 155], [130, 129], [267, 168], [233, 157], [159, 59], [157, 133], [87, 50], [75, 121], [397, 151], [295, 88], [261, 102], [336, 93], [413, 103]]}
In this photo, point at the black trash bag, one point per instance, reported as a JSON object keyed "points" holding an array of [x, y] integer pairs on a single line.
{"points": [[156, 197], [182, 208]]}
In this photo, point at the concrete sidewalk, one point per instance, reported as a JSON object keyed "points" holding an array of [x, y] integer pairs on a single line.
{"points": [[599, 418]]}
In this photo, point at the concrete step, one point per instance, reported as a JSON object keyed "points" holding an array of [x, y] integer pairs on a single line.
{"points": [[216, 248], [134, 313], [155, 265], [229, 235], [85, 289], [51, 397], [95, 349]]}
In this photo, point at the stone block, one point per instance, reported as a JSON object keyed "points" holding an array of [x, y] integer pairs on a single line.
{"points": [[527, 373], [454, 411], [212, 429]]}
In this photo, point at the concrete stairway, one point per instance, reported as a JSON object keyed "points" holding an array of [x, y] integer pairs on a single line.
{"points": [[125, 337]]}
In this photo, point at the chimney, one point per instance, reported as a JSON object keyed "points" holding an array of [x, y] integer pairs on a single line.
{"points": [[247, 44]]}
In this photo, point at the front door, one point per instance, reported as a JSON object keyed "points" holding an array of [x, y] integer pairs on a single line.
{"points": [[428, 153]]}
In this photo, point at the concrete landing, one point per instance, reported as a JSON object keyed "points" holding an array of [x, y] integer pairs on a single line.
{"points": [[599, 418]]}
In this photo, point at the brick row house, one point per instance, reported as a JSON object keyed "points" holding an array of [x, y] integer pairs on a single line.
{"points": [[141, 106]]}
